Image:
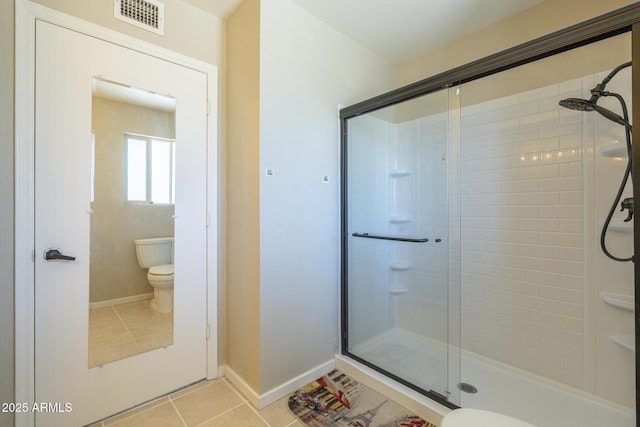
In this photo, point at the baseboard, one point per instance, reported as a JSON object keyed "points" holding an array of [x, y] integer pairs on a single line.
{"points": [[117, 301], [410, 399], [247, 391], [276, 393]]}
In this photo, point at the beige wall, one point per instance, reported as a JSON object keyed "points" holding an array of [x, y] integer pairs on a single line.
{"points": [[243, 198], [540, 20], [188, 30], [6, 209], [114, 223]]}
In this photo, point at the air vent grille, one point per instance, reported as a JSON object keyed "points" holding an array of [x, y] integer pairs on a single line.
{"points": [[147, 14]]}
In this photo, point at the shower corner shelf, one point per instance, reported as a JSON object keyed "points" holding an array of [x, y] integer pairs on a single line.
{"points": [[617, 151], [400, 265], [625, 302], [619, 226], [397, 290], [626, 341], [399, 173], [400, 219]]}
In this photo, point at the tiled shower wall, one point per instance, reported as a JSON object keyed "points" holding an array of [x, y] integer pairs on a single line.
{"points": [[368, 259], [424, 308], [521, 163]]}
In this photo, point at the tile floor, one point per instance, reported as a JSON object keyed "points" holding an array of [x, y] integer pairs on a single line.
{"points": [[215, 403], [124, 330]]}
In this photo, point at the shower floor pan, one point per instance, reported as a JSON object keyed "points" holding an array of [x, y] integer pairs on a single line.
{"points": [[500, 387]]}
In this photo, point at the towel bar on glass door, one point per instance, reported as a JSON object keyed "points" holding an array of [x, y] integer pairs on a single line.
{"points": [[394, 238]]}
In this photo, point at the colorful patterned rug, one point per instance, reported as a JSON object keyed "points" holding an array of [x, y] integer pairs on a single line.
{"points": [[338, 400]]}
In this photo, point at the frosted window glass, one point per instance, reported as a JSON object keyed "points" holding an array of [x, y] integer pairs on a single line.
{"points": [[161, 171], [136, 170]]}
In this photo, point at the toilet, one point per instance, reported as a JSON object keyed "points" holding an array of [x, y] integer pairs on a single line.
{"points": [[156, 254], [468, 417]]}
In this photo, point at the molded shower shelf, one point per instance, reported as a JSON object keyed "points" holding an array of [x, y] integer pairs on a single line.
{"points": [[397, 290], [400, 219], [626, 341], [619, 226], [400, 265], [617, 150], [399, 173], [625, 302]]}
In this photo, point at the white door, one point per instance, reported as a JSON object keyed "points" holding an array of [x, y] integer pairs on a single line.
{"points": [[74, 394]]}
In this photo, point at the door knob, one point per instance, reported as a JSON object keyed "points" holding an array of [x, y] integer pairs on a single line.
{"points": [[52, 254]]}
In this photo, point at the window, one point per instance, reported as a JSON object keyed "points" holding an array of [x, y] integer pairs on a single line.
{"points": [[150, 169]]}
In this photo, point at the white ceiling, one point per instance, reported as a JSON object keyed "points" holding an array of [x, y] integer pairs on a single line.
{"points": [[398, 30]]}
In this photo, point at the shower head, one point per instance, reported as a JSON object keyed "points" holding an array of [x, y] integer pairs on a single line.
{"points": [[590, 105], [598, 91], [578, 104]]}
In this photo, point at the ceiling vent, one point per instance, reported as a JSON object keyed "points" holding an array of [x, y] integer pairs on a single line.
{"points": [[147, 14]]}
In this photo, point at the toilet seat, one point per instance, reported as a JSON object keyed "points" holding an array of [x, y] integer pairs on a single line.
{"points": [[468, 417], [161, 270]]}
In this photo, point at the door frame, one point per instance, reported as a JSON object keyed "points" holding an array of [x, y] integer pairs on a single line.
{"points": [[26, 15]]}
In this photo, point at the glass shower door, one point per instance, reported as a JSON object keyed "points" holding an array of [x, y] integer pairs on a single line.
{"points": [[397, 235]]}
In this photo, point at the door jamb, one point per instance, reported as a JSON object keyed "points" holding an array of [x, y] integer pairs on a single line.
{"points": [[26, 15]]}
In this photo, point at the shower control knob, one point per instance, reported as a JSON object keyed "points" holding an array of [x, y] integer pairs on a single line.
{"points": [[627, 204]]}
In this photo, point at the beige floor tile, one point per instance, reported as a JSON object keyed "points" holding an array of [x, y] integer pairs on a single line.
{"points": [[136, 411], [150, 327], [103, 314], [206, 402], [242, 415], [107, 334], [151, 342], [125, 330], [192, 387], [160, 416], [138, 316], [277, 414], [131, 308]]}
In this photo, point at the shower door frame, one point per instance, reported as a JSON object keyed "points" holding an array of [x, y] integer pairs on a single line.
{"points": [[626, 19]]}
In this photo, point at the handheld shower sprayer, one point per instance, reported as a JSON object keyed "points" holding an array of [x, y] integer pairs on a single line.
{"points": [[592, 105]]}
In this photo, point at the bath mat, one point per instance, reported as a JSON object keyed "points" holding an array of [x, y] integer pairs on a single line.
{"points": [[338, 400]]}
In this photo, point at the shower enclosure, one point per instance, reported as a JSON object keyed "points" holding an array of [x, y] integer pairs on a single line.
{"points": [[473, 205]]}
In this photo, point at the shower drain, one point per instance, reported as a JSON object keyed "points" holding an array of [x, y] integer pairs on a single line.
{"points": [[467, 388]]}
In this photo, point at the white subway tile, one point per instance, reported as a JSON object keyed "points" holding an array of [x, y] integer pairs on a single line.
{"points": [[547, 198], [542, 224], [572, 310], [561, 129], [540, 93], [561, 184], [560, 266], [540, 251], [572, 282], [541, 171], [539, 119], [541, 277], [541, 304], [571, 225]]}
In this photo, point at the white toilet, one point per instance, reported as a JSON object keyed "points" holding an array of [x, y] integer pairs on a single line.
{"points": [[156, 254], [468, 417]]}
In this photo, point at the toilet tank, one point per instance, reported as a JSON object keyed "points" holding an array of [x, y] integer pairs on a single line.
{"points": [[154, 251]]}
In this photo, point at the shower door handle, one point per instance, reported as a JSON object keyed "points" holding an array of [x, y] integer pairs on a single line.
{"points": [[393, 238], [53, 254]]}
